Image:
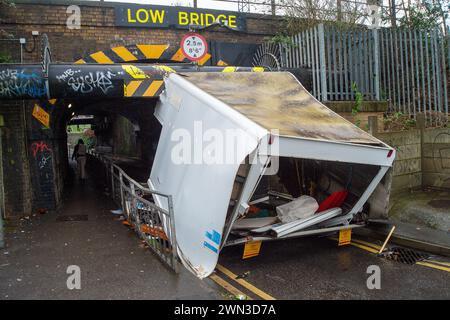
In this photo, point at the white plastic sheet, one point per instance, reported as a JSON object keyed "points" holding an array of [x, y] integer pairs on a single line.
{"points": [[300, 208]]}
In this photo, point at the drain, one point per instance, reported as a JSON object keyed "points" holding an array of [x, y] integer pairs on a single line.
{"points": [[404, 255], [75, 217]]}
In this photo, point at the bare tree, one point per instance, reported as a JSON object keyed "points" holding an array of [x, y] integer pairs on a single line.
{"points": [[303, 14]]}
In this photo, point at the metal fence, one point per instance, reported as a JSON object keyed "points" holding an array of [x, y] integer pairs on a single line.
{"points": [[153, 224], [338, 59], [408, 68], [414, 72], [12, 50]]}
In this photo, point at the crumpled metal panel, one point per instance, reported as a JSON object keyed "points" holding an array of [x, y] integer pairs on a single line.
{"points": [[277, 100], [201, 191]]}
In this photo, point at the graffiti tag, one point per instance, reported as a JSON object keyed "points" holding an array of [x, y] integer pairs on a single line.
{"points": [[42, 153], [43, 161], [18, 83], [39, 147], [88, 82]]}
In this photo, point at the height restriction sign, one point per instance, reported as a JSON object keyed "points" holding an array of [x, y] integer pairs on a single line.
{"points": [[194, 46]]}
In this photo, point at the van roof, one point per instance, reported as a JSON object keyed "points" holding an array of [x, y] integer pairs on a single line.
{"points": [[277, 100]]}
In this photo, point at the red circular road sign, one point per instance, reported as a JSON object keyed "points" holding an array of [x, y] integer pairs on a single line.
{"points": [[194, 46]]}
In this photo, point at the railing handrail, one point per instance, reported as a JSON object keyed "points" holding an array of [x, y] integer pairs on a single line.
{"points": [[126, 176], [118, 175]]}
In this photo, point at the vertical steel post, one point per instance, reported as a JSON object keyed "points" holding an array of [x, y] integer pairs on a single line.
{"points": [[173, 237], [113, 191], [323, 66], [422, 69], [312, 62], [438, 72], [444, 77], [333, 51], [376, 66], [351, 43], [426, 38], [317, 64], [417, 59], [122, 202]]}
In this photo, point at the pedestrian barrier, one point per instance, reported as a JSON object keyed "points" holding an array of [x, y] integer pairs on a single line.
{"points": [[154, 224]]}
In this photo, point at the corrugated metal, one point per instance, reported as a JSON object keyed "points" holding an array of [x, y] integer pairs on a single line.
{"points": [[278, 101]]}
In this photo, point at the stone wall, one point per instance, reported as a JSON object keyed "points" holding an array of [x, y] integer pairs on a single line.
{"points": [[407, 169], [436, 158]]}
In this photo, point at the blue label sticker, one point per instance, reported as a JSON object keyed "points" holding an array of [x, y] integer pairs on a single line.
{"points": [[209, 246], [213, 236]]}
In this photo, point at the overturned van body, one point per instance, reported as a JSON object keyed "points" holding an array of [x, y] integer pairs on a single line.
{"points": [[238, 150]]}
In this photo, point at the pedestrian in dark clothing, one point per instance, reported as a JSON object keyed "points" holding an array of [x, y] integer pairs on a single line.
{"points": [[79, 153]]}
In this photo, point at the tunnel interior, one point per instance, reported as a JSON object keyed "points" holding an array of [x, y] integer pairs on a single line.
{"points": [[124, 129]]}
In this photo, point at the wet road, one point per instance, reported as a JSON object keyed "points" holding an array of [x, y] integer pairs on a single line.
{"points": [[316, 268], [113, 262], [114, 265]]}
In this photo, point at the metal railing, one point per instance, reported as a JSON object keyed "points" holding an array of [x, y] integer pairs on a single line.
{"points": [[406, 67], [338, 59], [413, 68], [154, 224]]}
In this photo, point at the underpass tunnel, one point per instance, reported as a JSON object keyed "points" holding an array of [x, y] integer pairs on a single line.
{"points": [[123, 129]]}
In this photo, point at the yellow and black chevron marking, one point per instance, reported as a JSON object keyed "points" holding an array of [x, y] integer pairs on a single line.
{"points": [[146, 85], [138, 52], [143, 88], [237, 69], [140, 84], [222, 63], [129, 53]]}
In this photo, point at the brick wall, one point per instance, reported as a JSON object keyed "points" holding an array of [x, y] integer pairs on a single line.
{"points": [[98, 31], [16, 173], [35, 158]]}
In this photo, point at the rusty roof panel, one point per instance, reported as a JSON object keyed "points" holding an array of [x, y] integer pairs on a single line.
{"points": [[276, 100]]}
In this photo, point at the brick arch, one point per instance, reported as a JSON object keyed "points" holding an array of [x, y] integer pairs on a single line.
{"points": [[138, 52]]}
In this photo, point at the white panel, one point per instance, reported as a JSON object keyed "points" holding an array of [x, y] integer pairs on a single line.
{"points": [[201, 192]]}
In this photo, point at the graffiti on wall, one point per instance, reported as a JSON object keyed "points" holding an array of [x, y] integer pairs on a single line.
{"points": [[83, 83], [42, 153], [21, 82]]}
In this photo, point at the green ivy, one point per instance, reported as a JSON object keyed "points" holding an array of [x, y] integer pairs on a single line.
{"points": [[5, 58], [283, 40], [358, 103]]}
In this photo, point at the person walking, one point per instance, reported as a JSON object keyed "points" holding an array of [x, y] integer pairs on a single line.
{"points": [[79, 153]]}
